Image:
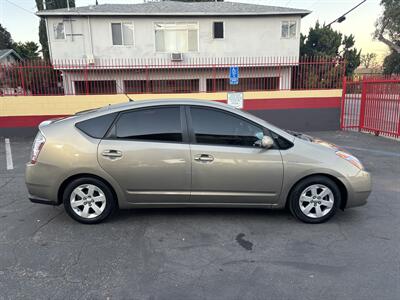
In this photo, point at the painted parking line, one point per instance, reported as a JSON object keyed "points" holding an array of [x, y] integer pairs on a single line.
{"points": [[9, 159]]}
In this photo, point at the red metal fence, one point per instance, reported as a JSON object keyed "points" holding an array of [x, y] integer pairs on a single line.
{"points": [[372, 104], [163, 76]]}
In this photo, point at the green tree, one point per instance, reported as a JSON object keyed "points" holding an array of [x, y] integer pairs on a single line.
{"points": [[55, 4], [27, 50], [326, 42], [388, 25], [391, 63], [350, 54], [6, 41], [43, 39], [50, 4], [388, 32], [42, 32]]}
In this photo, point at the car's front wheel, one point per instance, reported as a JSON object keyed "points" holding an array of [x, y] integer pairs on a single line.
{"points": [[314, 199], [88, 200]]}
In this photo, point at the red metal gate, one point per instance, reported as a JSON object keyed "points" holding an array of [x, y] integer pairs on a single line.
{"points": [[372, 104]]}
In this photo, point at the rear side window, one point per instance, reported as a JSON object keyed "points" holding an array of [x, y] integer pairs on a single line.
{"points": [[97, 127], [154, 124], [215, 127]]}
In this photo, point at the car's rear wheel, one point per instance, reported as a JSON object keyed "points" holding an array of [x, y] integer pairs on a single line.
{"points": [[314, 199], [88, 200]]}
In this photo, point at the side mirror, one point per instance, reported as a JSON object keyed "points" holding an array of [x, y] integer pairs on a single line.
{"points": [[267, 142]]}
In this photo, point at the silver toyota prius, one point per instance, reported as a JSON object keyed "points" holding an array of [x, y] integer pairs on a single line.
{"points": [[174, 153]]}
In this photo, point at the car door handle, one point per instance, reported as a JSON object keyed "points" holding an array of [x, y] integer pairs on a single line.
{"points": [[204, 158], [112, 153]]}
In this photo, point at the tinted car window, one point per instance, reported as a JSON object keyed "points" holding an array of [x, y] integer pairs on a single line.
{"points": [[220, 128], [281, 141], [155, 124], [97, 127]]}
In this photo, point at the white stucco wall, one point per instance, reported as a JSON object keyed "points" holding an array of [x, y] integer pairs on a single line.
{"points": [[243, 37]]}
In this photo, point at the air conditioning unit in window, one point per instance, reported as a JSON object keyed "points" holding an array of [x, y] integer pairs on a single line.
{"points": [[176, 56], [90, 60]]}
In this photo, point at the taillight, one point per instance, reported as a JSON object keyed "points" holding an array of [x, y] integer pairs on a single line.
{"points": [[37, 146]]}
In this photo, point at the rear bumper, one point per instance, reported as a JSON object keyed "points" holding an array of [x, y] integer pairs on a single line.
{"points": [[39, 200], [41, 182]]}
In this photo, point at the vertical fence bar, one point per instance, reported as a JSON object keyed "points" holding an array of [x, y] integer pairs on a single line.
{"points": [[362, 104], [397, 104], [21, 76], [342, 112], [85, 74], [214, 78], [147, 78]]}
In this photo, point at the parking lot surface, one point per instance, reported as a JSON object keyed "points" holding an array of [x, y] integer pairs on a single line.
{"points": [[203, 253]]}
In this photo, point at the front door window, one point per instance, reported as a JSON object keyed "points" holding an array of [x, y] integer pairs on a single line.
{"points": [[215, 127]]}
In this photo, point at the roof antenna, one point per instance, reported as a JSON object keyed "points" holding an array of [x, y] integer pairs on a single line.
{"points": [[129, 98], [126, 94]]}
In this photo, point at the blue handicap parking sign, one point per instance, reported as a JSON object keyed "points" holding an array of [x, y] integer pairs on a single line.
{"points": [[234, 75]]}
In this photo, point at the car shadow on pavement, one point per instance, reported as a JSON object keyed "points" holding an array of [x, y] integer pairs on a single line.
{"points": [[253, 214], [168, 212]]}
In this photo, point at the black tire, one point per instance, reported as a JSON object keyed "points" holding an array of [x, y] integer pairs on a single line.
{"points": [[110, 201], [294, 199]]}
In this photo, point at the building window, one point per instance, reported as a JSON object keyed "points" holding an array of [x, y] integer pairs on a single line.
{"points": [[218, 30], [176, 37], [59, 31], [122, 33], [289, 29]]}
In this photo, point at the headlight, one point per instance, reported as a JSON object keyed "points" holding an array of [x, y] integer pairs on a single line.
{"points": [[351, 159]]}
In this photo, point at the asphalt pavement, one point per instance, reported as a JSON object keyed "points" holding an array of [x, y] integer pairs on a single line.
{"points": [[203, 253]]}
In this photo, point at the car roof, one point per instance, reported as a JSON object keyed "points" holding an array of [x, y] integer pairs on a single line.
{"points": [[158, 102], [163, 102]]}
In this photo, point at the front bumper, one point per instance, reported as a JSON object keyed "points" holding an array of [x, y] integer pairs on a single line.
{"points": [[358, 189]]}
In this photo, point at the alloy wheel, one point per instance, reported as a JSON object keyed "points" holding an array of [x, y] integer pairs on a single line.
{"points": [[316, 201], [88, 201]]}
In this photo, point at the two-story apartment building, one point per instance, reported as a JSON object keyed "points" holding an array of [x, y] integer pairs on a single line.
{"points": [[182, 34]]}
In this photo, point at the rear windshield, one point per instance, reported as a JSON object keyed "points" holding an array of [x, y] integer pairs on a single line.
{"points": [[96, 127]]}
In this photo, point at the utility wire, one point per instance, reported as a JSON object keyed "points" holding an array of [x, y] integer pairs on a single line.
{"points": [[20, 7], [343, 17]]}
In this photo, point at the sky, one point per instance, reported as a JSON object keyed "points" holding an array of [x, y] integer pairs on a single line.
{"points": [[19, 18]]}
